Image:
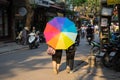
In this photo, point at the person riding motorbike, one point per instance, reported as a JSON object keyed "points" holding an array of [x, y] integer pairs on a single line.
{"points": [[90, 33]]}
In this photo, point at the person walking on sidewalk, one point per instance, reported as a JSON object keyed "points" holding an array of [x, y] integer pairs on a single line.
{"points": [[25, 33], [56, 58], [70, 54]]}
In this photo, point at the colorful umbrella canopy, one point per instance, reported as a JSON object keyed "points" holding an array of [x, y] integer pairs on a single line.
{"points": [[60, 33]]}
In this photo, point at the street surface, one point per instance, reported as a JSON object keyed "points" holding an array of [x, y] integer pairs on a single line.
{"points": [[35, 64]]}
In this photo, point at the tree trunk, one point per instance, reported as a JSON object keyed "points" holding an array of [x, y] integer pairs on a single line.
{"points": [[30, 13]]}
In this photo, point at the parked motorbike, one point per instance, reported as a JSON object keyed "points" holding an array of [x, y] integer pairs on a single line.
{"points": [[33, 40], [95, 47], [18, 39], [116, 61], [111, 53], [95, 51]]}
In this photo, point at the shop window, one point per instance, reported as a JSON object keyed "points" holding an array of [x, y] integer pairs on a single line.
{"points": [[1, 26], [6, 23]]}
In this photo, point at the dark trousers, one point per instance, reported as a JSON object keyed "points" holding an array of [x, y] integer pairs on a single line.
{"points": [[57, 56], [70, 59]]}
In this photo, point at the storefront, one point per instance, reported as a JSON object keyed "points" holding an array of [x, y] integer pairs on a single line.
{"points": [[20, 19], [39, 19], [45, 13], [5, 20]]}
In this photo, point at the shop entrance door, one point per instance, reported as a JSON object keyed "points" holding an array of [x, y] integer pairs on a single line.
{"points": [[3, 24]]}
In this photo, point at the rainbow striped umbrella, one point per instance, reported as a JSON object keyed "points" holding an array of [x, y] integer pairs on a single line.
{"points": [[60, 33]]}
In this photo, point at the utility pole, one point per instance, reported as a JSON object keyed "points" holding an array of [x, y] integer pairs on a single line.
{"points": [[118, 7], [64, 8], [105, 21]]}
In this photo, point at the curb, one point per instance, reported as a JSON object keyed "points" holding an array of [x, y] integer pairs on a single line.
{"points": [[13, 50]]}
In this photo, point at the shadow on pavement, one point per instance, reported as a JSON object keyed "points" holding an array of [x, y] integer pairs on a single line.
{"points": [[77, 63], [88, 72], [23, 61]]}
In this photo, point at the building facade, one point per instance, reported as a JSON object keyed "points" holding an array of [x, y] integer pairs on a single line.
{"points": [[13, 17], [6, 20]]}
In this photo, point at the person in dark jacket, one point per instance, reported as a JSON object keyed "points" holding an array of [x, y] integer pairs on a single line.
{"points": [[70, 54], [90, 31]]}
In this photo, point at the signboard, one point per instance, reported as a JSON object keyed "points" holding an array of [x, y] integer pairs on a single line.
{"points": [[111, 2], [60, 14], [22, 11], [103, 1], [104, 21], [45, 3], [106, 11]]}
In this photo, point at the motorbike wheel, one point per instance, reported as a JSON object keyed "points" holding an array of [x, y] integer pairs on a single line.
{"points": [[106, 61], [89, 42], [95, 52], [116, 65], [30, 46], [36, 46]]}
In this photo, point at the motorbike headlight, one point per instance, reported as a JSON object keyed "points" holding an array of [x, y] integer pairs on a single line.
{"points": [[89, 38]]}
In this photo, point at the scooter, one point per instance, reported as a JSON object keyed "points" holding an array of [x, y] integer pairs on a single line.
{"points": [[95, 51], [33, 40]]}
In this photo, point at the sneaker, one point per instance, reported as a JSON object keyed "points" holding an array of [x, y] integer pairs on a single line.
{"points": [[71, 72], [68, 70]]}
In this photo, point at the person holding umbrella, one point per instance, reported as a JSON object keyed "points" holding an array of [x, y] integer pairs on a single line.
{"points": [[70, 54], [56, 58], [60, 33]]}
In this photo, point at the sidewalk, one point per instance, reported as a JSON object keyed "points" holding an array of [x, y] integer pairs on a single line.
{"points": [[88, 72], [83, 71], [7, 47]]}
